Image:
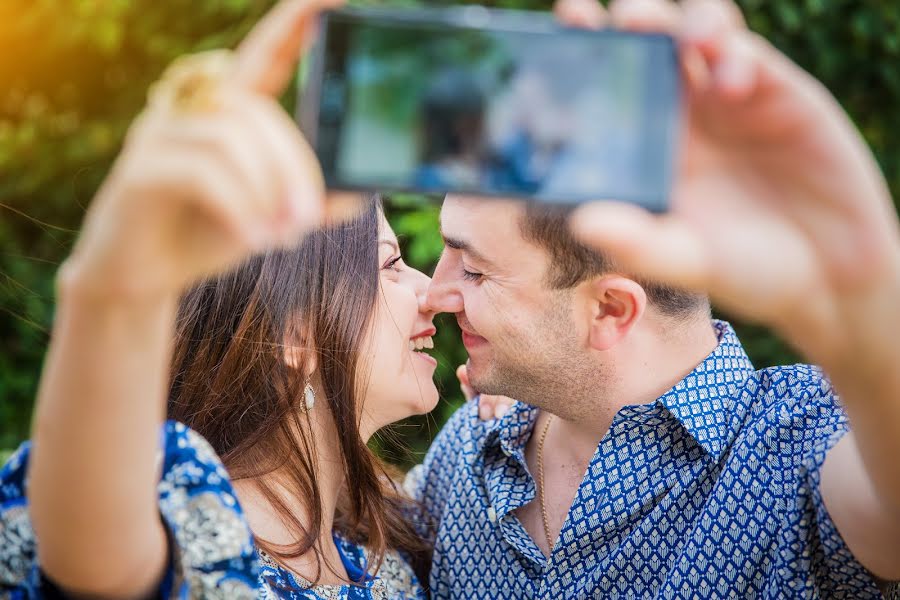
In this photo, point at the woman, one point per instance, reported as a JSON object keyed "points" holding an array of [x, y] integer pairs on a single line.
{"points": [[190, 282]]}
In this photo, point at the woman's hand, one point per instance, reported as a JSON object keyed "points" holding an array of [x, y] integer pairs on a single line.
{"points": [[489, 407], [195, 191]]}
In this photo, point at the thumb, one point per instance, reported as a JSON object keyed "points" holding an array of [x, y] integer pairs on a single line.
{"points": [[467, 389], [462, 374], [663, 248], [266, 58]]}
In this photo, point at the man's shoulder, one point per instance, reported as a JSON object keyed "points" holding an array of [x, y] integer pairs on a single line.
{"points": [[796, 389], [463, 433], [792, 411], [794, 382]]}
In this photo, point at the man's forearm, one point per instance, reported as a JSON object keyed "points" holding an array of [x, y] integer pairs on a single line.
{"points": [[865, 371]]}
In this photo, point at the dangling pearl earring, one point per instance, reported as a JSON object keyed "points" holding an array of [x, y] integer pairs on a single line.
{"points": [[309, 395]]}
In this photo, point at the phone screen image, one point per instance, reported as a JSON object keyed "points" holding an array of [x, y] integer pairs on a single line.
{"points": [[553, 114]]}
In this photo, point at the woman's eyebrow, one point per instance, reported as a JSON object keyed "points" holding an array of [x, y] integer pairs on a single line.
{"points": [[390, 243]]}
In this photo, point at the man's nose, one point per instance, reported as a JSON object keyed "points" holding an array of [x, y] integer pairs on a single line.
{"points": [[443, 294]]}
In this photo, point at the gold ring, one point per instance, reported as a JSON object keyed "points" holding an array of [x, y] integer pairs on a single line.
{"points": [[192, 83]]}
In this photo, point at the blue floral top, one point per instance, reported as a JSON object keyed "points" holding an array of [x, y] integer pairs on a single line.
{"points": [[212, 550]]}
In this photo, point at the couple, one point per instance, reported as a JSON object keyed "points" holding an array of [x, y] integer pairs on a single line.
{"points": [[647, 457]]}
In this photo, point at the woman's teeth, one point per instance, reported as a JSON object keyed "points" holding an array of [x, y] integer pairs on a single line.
{"points": [[421, 343]]}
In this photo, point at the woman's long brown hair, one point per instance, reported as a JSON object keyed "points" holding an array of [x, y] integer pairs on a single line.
{"points": [[231, 384]]}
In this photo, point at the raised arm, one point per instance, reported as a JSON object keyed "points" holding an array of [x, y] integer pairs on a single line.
{"points": [[197, 189], [781, 214]]}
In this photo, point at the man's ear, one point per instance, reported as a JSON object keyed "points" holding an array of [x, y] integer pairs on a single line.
{"points": [[617, 304]]}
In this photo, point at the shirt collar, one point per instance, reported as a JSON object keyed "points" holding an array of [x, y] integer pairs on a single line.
{"points": [[704, 402], [512, 431]]}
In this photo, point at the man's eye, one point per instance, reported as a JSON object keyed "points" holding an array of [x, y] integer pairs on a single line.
{"points": [[471, 276]]}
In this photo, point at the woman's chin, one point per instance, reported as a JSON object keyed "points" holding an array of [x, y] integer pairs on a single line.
{"points": [[425, 402]]}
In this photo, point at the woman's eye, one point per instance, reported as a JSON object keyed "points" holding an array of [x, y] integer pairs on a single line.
{"points": [[392, 264]]}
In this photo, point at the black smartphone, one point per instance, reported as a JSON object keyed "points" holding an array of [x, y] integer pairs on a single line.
{"points": [[491, 103]]}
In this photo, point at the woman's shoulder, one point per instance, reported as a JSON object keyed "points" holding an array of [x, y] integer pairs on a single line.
{"points": [[212, 548], [396, 578], [17, 542], [211, 544], [399, 579]]}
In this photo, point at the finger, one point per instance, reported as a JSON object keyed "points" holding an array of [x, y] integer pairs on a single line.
{"points": [[502, 406], [485, 409], [211, 193], [265, 60], [467, 390], [587, 14], [661, 16], [645, 15], [299, 186], [661, 248], [493, 407], [226, 137], [708, 24], [341, 207], [736, 73], [462, 373], [737, 61]]}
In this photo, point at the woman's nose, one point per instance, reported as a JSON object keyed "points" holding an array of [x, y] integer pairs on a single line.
{"points": [[422, 283]]}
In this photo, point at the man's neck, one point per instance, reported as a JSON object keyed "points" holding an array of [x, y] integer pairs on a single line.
{"points": [[643, 368], [646, 365]]}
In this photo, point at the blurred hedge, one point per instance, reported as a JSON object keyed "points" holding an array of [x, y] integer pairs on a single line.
{"points": [[73, 74]]}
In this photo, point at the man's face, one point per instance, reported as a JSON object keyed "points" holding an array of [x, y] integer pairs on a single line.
{"points": [[519, 332]]}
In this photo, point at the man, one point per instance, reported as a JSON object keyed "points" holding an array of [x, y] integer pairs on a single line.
{"points": [[647, 457]]}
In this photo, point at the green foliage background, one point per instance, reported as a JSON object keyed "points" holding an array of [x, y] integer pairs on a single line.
{"points": [[74, 74]]}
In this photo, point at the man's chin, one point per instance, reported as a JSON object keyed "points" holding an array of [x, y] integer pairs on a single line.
{"points": [[483, 377], [474, 370]]}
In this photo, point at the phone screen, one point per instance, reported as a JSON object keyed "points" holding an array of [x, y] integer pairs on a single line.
{"points": [[542, 112]]}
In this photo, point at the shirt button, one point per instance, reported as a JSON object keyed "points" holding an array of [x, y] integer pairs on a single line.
{"points": [[492, 514]]}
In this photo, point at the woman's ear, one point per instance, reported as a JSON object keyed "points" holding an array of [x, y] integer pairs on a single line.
{"points": [[300, 354], [617, 304]]}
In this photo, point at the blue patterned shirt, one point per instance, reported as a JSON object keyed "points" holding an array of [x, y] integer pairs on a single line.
{"points": [[212, 552], [711, 491]]}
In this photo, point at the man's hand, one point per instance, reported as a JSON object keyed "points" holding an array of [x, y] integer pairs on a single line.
{"points": [[780, 213], [779, 210], [489, 407]]}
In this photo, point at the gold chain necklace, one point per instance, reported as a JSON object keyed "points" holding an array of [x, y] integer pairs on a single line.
{"points": [[540, 454]]}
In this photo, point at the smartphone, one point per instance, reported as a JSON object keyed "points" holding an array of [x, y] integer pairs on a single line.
{"points": [[497, 103]]}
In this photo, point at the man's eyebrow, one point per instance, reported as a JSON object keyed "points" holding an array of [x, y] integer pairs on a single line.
{"points": [[464, 246]]}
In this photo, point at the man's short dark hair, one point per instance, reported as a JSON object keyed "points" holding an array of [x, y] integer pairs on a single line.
{"points": [[573, 262]]}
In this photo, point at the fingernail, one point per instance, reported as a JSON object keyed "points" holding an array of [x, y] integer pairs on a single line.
{"points": [[734, 75], [697, 30], [299, 207], [259, 236], [699, 24]]}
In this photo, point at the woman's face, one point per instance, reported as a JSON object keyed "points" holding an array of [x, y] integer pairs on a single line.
{"points": [[398, 373]]}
